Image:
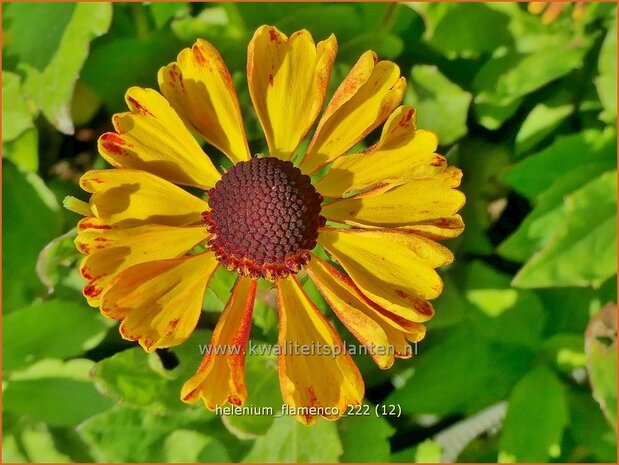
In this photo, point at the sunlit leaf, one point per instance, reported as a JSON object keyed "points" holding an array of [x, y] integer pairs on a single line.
{"points": [[536, 173], [289, 441], [442, 106], [606, 82], [137, 379], [589, 230], [132, 435], [16, 116], [191, 446], [504, 80], [24, 150], [56, 259], [542, 120], [88, 20], [37, 30], [52, 329], [580, 158], [55, 396], [428, 452]]}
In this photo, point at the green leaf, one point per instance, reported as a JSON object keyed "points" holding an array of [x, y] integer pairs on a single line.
{"points": [[16, 117], [32, 212], [32, 333], [84, 104], [222, 26], [452, 32], [163, 12], [404, 456], [365, 438], [442, 106], [536, 417], [549, 213], [492, 115], [221, 284], [450, 306], [60, 395], [601, 352], [468, 362], [499, 312], [536, 173], [583, 302], [136, 63], [428, 452], [542, 120], [290, 441], [24, 150], [137, 379], [589, 229], [31, 443], [548, 178], [186, 446], [606, 82], [57, 259], [133, 435], [505, 79], [527, 73], [188, 353], [590, 429], [565, 351], [37, 30], [88, 20]]}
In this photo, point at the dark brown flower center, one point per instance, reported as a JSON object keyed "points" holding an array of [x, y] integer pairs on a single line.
{"points": [[264, 218]]}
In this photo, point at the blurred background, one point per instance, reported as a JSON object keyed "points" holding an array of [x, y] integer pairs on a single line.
{"points": [[519, 363]]}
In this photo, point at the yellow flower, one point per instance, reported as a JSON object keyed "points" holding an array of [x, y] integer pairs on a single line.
{"points": [[551, 10], [151, 247]]}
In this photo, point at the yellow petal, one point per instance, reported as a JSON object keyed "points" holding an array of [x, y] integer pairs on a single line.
{"points": [[438, 229], [384, 334], [536, 7], [394, 269], [221, 376], [288, 79], [152, 137], [126, 198], [111, 251], [199, 87], [427, 201], [402, 154], [366, 97], [552, 12], [326, 382], [159, 302]]}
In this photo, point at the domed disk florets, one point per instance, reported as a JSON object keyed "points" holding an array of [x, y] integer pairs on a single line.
{"points": [[264, 218]]}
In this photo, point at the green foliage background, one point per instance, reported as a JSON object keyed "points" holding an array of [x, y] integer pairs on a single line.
{"points": [[509, 370]]}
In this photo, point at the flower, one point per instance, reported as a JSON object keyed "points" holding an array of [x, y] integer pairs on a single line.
{"points": [[551, 10], [151, 247]]}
